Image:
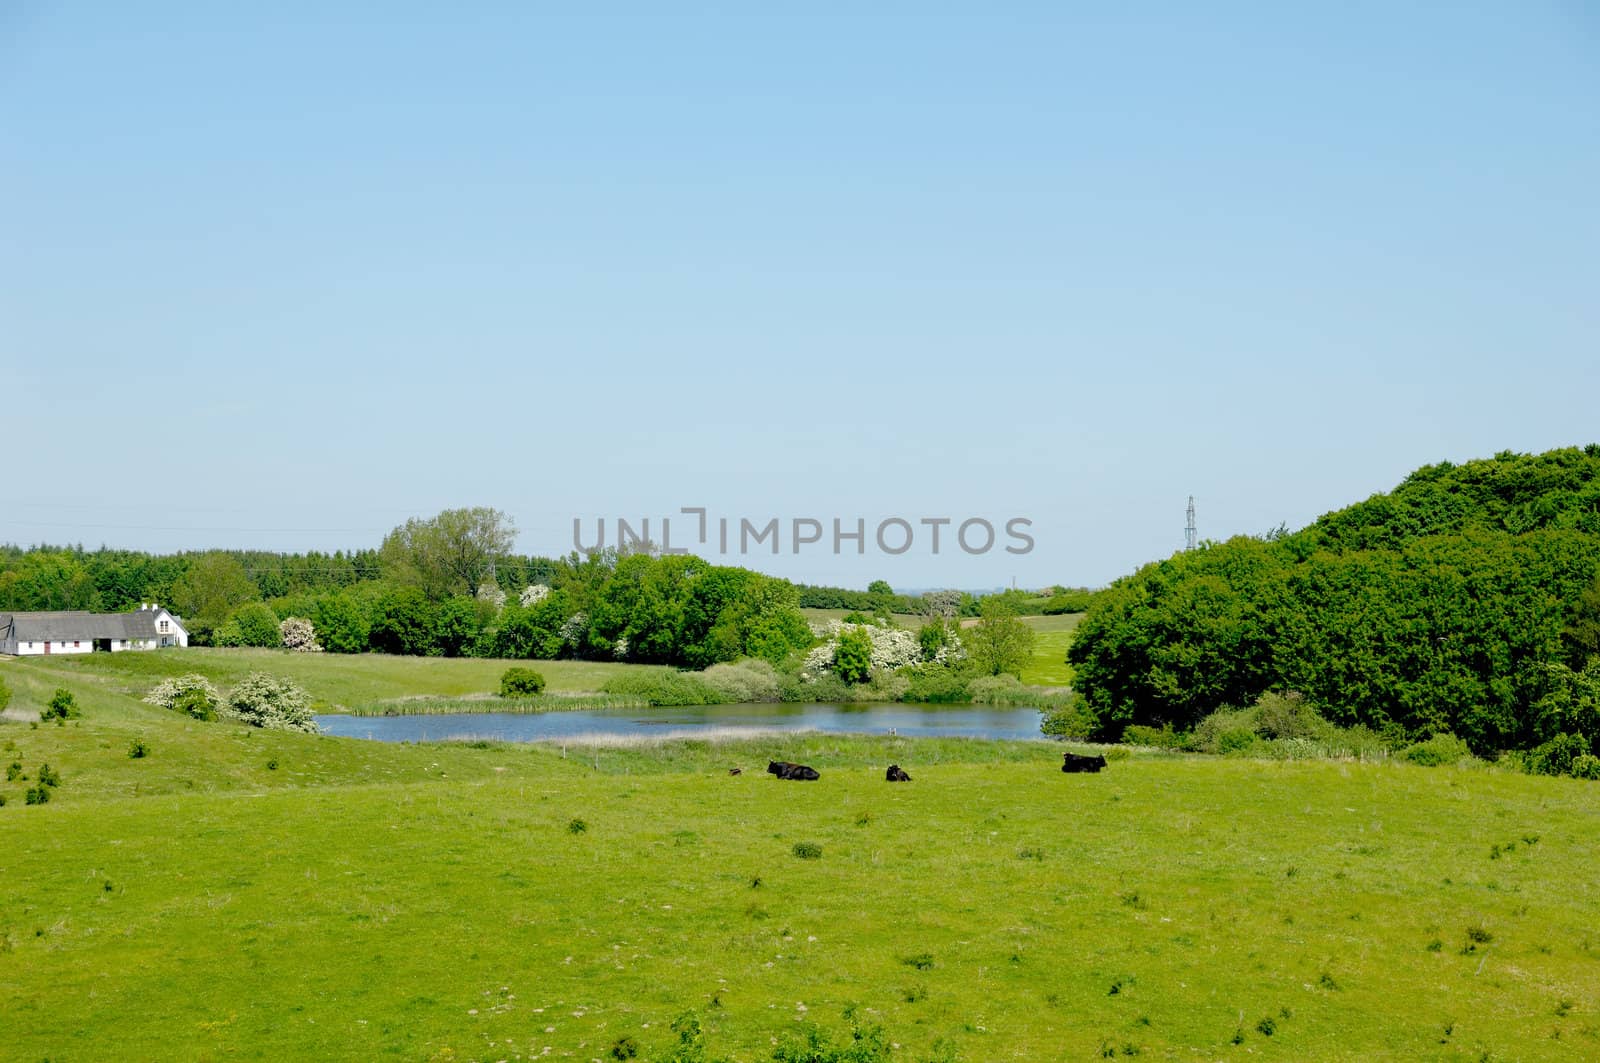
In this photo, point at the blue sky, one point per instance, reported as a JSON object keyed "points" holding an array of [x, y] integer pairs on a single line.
{"points": [[277, 276]]}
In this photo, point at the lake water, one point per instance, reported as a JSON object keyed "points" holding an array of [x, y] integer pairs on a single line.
{"points": [[975, 721]]}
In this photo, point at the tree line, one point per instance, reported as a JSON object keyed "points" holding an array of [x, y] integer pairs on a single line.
{"points": [[1465, 602]]}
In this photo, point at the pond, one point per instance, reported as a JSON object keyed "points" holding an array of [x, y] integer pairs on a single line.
{"points": [[908, 720]]}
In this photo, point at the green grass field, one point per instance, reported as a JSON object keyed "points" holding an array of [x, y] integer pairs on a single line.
{"points": [[1052, 636], [250, 895], [335, 679]]}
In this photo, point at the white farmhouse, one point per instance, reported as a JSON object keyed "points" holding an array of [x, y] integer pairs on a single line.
{"points": [[147, 628]]}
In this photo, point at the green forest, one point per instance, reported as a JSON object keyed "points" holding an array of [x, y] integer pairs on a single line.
{"points": [[1463, 602]]}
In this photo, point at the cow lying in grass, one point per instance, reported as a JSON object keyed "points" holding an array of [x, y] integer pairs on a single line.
{"points": [[1076, 762], [783, 769], [897, 774]]}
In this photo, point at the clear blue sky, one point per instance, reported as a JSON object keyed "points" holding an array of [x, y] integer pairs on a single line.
{"points": [[277, 276]]}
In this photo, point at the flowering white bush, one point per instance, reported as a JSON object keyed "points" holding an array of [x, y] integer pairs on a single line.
{"points": [[619, 649], [491, 593], [167, 692], [533, 594], [268, 701], [572, 631], [892, 647], [298, 634]]}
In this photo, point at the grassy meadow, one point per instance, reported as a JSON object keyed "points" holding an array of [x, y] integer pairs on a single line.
{"points": [[243, 894], [1051, 637]]}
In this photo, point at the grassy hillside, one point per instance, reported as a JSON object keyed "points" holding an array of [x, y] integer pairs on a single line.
{"points": [[364, 901]]}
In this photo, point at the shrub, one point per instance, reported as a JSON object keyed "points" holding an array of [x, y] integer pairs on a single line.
{"points": [[299, 634], [36, 795], [253, 624], [1287, 715], [1441, 749], [865, 1044], [1585, 766], [48, 776], [665, 688], [623, 1047], [576, 826], [933, 637], [940, 683], [745, 681], [1163, 737], [521, 683], [1238, 725], [852, 656], [1556, 756], [63, 706], [191, 694], [1071, 719], [272, 702], [14, 771], [138, 750], [807, 850]]}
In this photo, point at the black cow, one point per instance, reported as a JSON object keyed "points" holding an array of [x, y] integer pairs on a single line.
{"points": [[735, 771], [897, 774], [783, 769], [1074, 762]]}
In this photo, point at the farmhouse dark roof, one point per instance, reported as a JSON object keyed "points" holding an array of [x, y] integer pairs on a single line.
{"points": [[57, 627]]}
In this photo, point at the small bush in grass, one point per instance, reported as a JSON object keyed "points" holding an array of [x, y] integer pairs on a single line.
{"points": [[624, 1048], [744, 681], [1287, 715], [808, 850], [1071, 720], [272, 765], [1163, 737], [1437, 751], [14, 771], [138, 750], [1556, 756], [1268, 1026], [576, 826], [1586, 766], [272, 702], [521, 683], [63, 706], [865, 1044], [298, 634], [922, 961], [48, 776], [36, 795], [192, 694]]}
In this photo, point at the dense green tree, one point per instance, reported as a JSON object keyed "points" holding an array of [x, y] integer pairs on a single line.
{"points": [[535, 630], [1582, 633], [1439, 608], [1000, 643], [456, 626], [403, 622], [852, 658], [214, 585], [252, 624], [451, 553], [343, 623]]}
